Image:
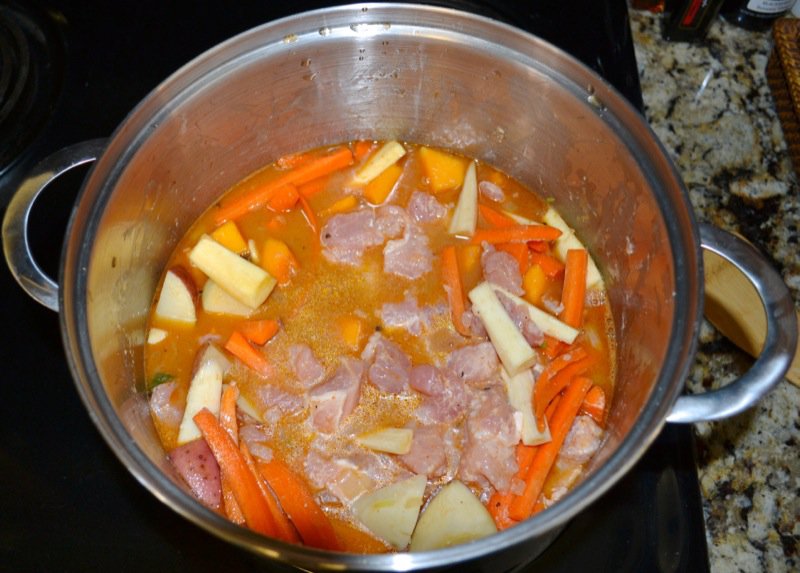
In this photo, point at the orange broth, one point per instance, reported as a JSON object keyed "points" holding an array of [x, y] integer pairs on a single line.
{"points": [[321, 294]]}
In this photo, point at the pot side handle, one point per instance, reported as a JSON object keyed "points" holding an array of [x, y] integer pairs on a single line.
{"points": [[779, 346], [16, 247]]}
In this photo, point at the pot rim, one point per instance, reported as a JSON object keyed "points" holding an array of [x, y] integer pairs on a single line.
{"points": [[627, 124]]}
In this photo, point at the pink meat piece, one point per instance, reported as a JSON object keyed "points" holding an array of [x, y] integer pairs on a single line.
{"points": [[491, 191], [447, 405], [336, 398], [306, 367], [389, 367], [427, 454], [278, 402], [473, 324], [492, 434], [475, 363], [392, 221], [427, 380], [257, 436], [196, 465], [501, 269], [582, 441], [406, 315], [163, 407], [519, 315], [409, 257], [424, 208], [345, 237]]}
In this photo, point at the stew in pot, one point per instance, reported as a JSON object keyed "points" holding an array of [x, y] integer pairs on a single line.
{"points": [[380, 346]]}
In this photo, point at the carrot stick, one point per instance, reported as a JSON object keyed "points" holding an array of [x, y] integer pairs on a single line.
{"points": [[516, 234], [552, 346], [522, 506], [238, 346], [285, 531], [455, 291], [574, 292], [538, 246], [551, 266], [499, 502], [259, 331], [297, 500], [284, 199], [594, 405], [557, 364], [310, 216], [313, 187], [317, 167], [227, 419], [495, 218], [519, 251], [362, 149], [552, 386], [257, 515], [293, 160]]}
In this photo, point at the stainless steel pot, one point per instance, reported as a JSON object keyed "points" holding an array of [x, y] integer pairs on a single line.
{"points": [[414, 73]]}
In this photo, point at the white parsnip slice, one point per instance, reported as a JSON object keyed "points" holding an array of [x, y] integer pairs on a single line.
{"points": [[205, 391], [216, 300], [547, 323], [465, 216], [380, 160], [520, 395], [156, 335], [389, 440], [514, 351], [244, 281], [568, 241]]}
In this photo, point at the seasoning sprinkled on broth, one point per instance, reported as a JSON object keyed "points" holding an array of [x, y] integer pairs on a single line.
{"points": [[358, 339]]}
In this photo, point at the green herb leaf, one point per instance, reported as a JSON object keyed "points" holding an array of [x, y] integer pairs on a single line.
{"points": [[160, 378]]}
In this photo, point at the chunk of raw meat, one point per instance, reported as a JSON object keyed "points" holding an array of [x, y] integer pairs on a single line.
{"points": [[491, 191], [424, 208], [519, 315], [409, 257], [389, 367], [475, 363], [336, 398], [492, 434], [501, 269], [392, 221], [426, 379], [199, 469], [305, 365], [345, 237], [447, 405], [427, 454], [278, 402], [406, 315], [163, 408]]}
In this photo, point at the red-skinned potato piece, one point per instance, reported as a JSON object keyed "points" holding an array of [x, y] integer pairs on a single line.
{"points": [[177, 301]]}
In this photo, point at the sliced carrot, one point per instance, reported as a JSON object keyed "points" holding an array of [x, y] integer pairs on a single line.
{"points": [[294, 160], [552, 346], [553, 368], [285, 530], [227, 419], [284, 199], [594, 405], [455, 291], [238, 346], [317, 167], [313, 187], [516, 234], [538, 246], [362, 148], [277, 259], [574, 293], [343, 205], [256, 513], [259, 331], [520, 253], [297, 500], [522, 506], [551, 266], [549, 388], [353, 540], [495, 218], [499, 502]]}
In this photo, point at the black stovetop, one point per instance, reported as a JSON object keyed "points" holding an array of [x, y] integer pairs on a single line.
{"points": [[66, 503]]}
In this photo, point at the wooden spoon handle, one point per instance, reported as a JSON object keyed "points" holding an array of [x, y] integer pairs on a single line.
{"points": [[733, 307]]}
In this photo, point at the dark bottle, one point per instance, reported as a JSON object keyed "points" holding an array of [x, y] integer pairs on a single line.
{"points": [[756, 15]]}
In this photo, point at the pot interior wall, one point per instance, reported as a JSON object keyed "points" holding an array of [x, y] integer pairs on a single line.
{"points": [[193, 138]]}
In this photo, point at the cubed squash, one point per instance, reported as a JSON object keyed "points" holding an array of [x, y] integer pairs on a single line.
{"points": [[443, 170], [379, 188], [229, 236]]}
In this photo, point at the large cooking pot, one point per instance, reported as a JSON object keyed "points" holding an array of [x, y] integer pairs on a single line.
{"points": [[415, 73]]}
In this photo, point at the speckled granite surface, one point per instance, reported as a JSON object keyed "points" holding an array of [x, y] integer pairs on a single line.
{"points": [[711, 107]]}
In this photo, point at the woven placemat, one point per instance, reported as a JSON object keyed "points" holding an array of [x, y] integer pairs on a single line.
{"points": [[783, 77]]}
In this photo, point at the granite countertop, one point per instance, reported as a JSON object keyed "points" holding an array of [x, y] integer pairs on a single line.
{"points": [[710, 105]]}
